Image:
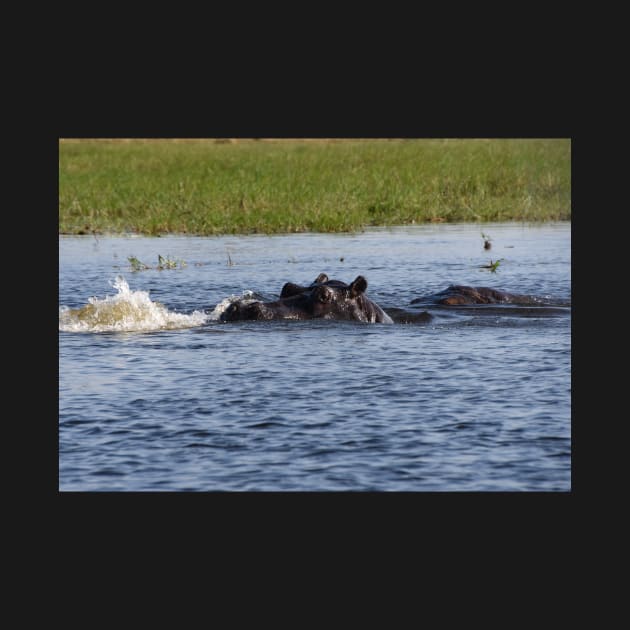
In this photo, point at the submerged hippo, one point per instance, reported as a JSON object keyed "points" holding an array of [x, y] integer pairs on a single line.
{"points": [[456, 295], [323, 299]]}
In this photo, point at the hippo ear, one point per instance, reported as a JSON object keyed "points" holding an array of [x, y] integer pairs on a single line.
{"points": [[358, 286], [321, 278]]}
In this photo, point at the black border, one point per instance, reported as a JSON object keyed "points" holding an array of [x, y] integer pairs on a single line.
{"points": [[468, 96]]}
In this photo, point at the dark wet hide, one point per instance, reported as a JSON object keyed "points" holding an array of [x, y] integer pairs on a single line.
{"points": [[402, 316]]}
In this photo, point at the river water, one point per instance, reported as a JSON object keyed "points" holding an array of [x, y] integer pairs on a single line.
{"points": [[156, 394]]}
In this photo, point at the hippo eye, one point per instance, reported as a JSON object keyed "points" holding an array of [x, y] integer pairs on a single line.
{"points": [[323, 294]]}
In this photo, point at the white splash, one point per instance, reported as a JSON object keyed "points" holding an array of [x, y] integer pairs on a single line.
{"points": [[127, 311], [245, 298]]}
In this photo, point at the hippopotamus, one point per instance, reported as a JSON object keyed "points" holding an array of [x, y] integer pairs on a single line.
{"points": [[322, 299], [456, 295]]}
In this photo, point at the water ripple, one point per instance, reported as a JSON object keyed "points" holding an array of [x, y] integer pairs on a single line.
{"points": [[473, 401]]}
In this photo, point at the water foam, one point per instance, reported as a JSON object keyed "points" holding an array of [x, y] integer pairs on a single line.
{"points": [[245, 298], [128, 311]]}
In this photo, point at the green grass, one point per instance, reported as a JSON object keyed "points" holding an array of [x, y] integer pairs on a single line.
{"points": [[209, 187]]}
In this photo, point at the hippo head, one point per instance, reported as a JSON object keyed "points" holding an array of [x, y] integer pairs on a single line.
{"points": [[323, 299]]}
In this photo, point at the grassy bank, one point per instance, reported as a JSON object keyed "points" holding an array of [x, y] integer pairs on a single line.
{"points": [[209, 187]]}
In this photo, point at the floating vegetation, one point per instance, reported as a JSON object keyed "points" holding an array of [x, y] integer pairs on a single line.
{"points": [[493, 266], [168, 263], [163, 263], [136, 265]]}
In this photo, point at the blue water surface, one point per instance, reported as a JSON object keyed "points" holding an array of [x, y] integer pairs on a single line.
{"points": [[472, 401]]}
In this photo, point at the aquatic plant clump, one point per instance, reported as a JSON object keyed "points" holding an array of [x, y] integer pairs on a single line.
{"points": [[163, 263]]}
